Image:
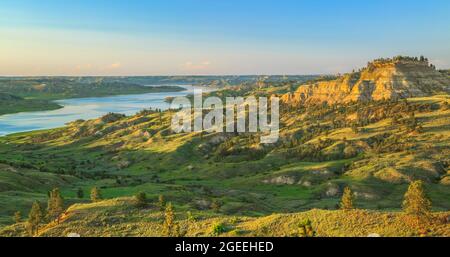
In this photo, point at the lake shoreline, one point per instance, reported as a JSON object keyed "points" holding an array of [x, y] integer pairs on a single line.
{"points": [[88, 108], [48, 104]]}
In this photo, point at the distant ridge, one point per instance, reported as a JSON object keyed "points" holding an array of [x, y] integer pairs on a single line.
{"points": [[382, 79]]}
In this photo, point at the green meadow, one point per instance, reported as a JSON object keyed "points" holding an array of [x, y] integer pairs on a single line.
{"points": [[219, 176]]}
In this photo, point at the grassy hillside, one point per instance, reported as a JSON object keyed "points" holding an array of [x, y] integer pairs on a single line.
{"points": [[119, 217], [376, 148], [12, 104]]}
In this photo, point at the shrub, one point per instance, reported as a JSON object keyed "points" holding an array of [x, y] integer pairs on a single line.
{"points": [[350, 152], [80, 193], [141, 200], [112, 117], [305, 229], [216, 205], [218, 228]]}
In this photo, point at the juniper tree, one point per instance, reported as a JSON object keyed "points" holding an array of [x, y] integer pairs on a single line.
{"points": [[161, 202], [55, 205], [80, 193], [95, 194], [347, 199], [169, 221], [415, 200], [17, 217], [34, 218]]}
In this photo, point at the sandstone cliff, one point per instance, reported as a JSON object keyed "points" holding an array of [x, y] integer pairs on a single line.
{"points": [[399, 77]]}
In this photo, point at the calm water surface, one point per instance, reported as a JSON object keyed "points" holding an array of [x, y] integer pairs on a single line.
{"points": [[86, 108]]}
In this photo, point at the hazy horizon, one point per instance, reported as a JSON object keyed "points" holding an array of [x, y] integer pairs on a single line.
{"points": [[192, 37]]}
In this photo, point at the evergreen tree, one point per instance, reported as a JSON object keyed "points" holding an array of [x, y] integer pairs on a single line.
{"points": [[141, 200], [55, 205], [169, 221], [171, 228], [415, 200], [17, 217], [34, 218], [161, 202], [80, 193], [95, 194], [347, 199]]}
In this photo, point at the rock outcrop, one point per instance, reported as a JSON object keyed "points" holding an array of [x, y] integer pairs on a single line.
{"points": [[383, 79]]}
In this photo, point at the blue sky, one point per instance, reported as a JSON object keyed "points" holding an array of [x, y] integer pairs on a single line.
{"points": [[216, 36]]}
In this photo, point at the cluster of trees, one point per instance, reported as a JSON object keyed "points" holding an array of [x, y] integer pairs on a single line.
{"points": [[323, 118], [316, 152], [149, 111], [307, 152], [171, 228], [112, 117], [398, 58], [415, 200], [55, 208], [415, 204], [335, 116], [410, 123], [240, 146], [388, 143]]}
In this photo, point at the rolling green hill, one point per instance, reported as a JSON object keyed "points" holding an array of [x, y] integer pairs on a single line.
{"points": [[62, 88], [307, 169], [35, 94], [376, 148], [120, 218], [12, 104]]}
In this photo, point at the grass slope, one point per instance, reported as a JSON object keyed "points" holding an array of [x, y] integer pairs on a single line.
{"points": [[14, 104], [319, 153], [120, 218]]}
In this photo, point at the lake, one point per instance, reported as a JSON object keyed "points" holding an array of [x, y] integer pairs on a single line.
{"points": [[87, 108]]}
